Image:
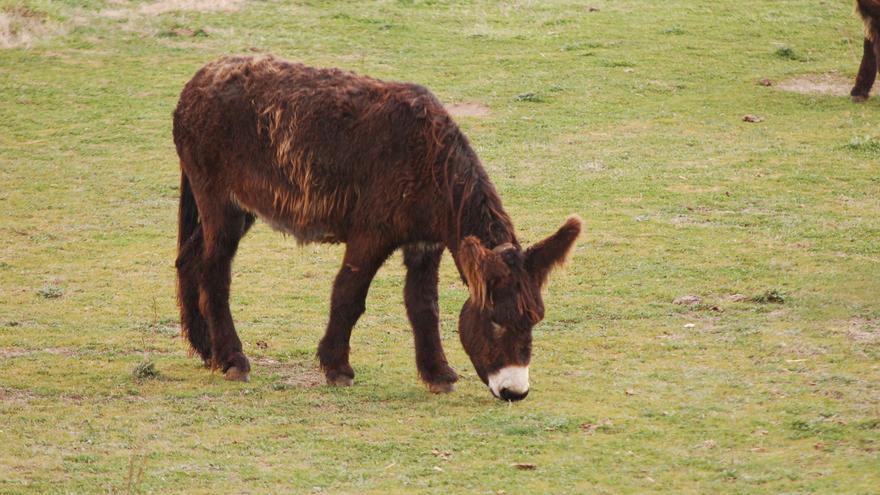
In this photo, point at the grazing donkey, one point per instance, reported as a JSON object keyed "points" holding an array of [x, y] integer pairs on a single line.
{"points": [[331, 156], [870, 12]]}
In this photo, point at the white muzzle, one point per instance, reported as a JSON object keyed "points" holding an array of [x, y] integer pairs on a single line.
{"points": [[513, 378]]}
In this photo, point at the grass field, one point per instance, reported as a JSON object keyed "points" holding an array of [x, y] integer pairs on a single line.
{"points": [[629, 113]]}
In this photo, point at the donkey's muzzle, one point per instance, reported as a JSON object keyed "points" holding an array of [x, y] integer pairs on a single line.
{"points": [[510, 383]]}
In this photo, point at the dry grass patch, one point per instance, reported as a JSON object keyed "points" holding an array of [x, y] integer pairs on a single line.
{"points": [[16, 397], [864, 330], [832, 84], [129, 10], [290, 374], [20, 27], [467, 110], [14, 352]]}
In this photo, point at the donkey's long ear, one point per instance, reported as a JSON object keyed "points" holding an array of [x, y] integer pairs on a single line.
{"points": [[552, 251], [480, 267]]}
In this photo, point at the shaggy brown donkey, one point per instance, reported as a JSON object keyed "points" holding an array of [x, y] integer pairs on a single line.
{"points": [[331, 156], [870, 12]]}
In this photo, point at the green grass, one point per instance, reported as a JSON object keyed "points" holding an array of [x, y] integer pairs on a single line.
{"points": [[630, 116]]}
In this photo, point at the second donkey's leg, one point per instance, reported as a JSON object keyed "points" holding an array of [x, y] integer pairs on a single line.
{"points": [[867, 72], [420, 295], [347, 304]]}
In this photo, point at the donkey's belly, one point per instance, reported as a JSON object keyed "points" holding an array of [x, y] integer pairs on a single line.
{"points": [[291, 216], [303, 234]]}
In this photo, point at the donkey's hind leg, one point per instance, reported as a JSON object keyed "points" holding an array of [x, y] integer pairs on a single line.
{"points": [[420, 296], [223, 227]]}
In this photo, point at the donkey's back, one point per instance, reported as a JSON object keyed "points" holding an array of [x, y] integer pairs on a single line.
{"points": [[311, 151]]}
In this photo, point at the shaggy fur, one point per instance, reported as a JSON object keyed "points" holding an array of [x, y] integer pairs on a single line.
{"points": [[331, 156], [870, 13]]}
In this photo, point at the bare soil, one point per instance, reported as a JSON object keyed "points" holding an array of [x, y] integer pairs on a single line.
{"points": [[831, 84], [467, 110], [21, 27], [122, 10]]}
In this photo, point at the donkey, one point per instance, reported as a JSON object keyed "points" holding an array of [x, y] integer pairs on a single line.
{"points": [[332, 156], [870, 12]]}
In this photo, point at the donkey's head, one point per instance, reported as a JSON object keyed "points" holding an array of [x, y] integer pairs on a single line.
{"points": [[496, 322]]}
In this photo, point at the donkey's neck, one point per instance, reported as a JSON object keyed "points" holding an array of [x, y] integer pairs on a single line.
{"points": [[476, 207]]}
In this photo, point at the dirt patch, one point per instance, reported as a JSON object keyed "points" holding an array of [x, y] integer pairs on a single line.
{"points": [[467, 110], [129, 10], [13, 352], [292, 373], [163, 6], [832, 84], [17, 397], [592, 166], [864, 330], [20, 27], [687, 300]]}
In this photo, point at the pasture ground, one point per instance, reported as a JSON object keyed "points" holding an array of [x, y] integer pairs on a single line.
{"points": [[628, 113]]}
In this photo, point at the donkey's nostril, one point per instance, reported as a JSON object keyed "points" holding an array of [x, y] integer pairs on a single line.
{"points": [[507, 394]]}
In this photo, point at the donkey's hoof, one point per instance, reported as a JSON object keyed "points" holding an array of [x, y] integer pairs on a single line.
{"points": [[236, 375], [340, 381], [441, 388], [440, 381], [859, 98], [340, 378]]}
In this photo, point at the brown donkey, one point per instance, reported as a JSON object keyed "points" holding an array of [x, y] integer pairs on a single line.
{"points": [[870, 12], [331, 156]]}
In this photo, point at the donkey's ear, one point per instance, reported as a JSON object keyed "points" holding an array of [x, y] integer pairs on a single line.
{"points": [[552, 251], [480, 268]]}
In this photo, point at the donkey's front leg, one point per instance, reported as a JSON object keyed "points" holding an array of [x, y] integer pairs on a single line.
{"points": [[867, 72], [347, 304], [420, 296]]}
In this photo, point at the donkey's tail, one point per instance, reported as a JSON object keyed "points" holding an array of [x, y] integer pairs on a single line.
{"points": [[189, 255], [187, 214]]}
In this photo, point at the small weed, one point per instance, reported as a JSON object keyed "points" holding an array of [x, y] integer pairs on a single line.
{"points": [[674, 30], [773, 296], [529, 97], [145, 370], [182, 32], [558, 22], [50, 291], [580, 45], [869, 424], [135, 473], [786, 53], [617, 63], [864, 144]]}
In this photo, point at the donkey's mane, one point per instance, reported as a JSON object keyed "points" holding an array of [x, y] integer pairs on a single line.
{"points": [[474, 203]]}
